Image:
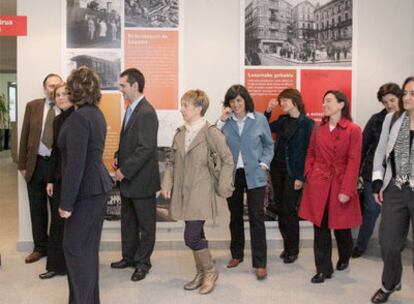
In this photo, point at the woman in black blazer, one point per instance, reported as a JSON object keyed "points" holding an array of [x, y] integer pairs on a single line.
{"points": [[293, 130], [56, 264], [85, 184]]}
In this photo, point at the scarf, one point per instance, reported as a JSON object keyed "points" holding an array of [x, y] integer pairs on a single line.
{"points": [[191, 131], [404, 158]]}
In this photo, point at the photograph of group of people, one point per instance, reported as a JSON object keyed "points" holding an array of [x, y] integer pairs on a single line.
{"points": [[93, 38], [93, 24], [314, 170]]}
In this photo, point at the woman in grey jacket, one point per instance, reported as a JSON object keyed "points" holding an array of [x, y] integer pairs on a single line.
{"points": [[393, 187], [250, 141]]}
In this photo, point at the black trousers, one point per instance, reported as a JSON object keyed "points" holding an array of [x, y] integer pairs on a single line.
{"points": [[81, 241], [255, 206], [397, 212], [38, 199], [287, 201], [194, 236], [55, 257], [138, 230], [322, 245]]}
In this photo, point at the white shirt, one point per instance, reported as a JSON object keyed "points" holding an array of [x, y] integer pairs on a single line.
{"points": [[43, 150], [135, 103], [132, 106]]}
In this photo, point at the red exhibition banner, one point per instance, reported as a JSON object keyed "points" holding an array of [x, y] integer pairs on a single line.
{"points": [[265, 84], [13, 25], [155, 54], [315, 83]]}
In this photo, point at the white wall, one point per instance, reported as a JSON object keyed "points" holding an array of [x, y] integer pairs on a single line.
{"points": [[384, 50], [37, 55]]}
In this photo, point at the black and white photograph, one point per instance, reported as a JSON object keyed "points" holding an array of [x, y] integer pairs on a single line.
{"points": [[93, 24], [298, 32], [151, 13], [106, 64]]}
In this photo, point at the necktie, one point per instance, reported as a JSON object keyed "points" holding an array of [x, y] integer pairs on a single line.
{"points": [[127, 116], [47, 137]]}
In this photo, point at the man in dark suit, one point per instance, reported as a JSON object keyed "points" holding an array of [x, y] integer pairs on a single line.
{"points": [[35, 147], [138, 173]]}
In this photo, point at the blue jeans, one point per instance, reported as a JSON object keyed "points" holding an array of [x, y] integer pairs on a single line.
{"points": [[371, 212]]}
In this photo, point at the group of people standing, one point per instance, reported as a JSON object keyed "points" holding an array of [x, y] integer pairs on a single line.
{"points": [[102, 28], [314, 170]]}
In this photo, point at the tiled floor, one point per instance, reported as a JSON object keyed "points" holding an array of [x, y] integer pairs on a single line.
{"points": [[171, 268]]}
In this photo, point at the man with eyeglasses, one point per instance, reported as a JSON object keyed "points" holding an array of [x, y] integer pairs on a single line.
{"points": [[35, 148]]}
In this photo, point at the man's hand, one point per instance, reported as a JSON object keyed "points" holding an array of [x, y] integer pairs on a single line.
{"points": [[166, 194], [49, 189], [119, 176], [23, 173], [64, 213]]}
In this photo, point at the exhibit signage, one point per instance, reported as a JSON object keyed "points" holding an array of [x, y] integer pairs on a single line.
{"points": [[13, 25]]}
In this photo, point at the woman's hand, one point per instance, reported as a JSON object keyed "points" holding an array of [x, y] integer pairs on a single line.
{"points": [[166, 194], [64, 213], [343, 198], [298, 184], [378, 198], [272, 104], [49, 189], [225, 114]]}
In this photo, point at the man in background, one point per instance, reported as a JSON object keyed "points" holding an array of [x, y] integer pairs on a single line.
{"points": [[35, 148]]}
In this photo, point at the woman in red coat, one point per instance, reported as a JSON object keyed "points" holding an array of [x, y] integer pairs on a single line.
{"points": [[330, 199]]}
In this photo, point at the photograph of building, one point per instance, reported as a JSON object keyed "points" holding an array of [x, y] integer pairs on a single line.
{"points": [[298, 32], [151, 13]]}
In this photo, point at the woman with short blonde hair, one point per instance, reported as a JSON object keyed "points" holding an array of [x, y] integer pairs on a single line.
{"points": [[190, 182]]}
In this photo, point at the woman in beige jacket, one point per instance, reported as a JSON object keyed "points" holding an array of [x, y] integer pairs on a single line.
{"points": [[192, 182]]}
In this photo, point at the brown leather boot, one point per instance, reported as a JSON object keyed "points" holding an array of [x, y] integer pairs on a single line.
{"points": [[210, 273], [198, 279]]}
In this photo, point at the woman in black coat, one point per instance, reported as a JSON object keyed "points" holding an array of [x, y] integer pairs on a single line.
{"points": [[293, 130], [85, 184], [56, 264]]}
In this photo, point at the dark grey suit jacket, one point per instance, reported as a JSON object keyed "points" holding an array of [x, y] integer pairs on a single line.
{"points": [[81, 142], [137, 154]]}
